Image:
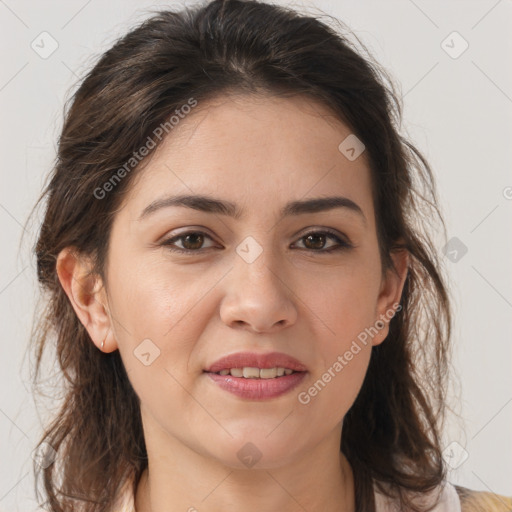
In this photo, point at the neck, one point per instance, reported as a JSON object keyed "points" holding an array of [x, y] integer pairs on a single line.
{"points": [[197, 483]]}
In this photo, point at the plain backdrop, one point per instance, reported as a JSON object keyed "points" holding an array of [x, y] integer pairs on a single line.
{"points": [[451, 59]]}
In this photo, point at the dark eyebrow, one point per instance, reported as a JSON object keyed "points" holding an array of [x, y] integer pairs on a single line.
{"points": [[211, 205]]}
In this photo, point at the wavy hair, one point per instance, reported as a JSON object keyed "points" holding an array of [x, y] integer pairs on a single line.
{"points": [[391, 434]]}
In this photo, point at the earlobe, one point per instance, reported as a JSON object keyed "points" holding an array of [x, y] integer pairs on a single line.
{"points": [[390, 294], [86, 294]]}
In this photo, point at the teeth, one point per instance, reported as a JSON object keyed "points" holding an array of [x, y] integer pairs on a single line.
{"points": [[266, 373], [250, 372]]}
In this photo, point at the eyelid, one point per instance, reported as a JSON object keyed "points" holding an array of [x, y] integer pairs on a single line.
{"points": [[166, 240], [319, 229], [343, 240]]}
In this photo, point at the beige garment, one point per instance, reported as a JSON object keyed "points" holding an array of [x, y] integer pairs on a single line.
{"points": [[453, 499]]}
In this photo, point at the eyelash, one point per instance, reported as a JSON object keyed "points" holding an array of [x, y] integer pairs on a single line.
{"points": [[343, 245]]}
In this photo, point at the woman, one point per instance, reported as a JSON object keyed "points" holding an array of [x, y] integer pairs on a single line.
{"points": [[247, 307]]}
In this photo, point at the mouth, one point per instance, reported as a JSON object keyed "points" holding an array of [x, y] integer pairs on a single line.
{"points": [[255, 376], [253, 365], [253, 372]]}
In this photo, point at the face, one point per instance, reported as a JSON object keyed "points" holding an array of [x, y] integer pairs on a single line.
{"points": [[306, 284]]}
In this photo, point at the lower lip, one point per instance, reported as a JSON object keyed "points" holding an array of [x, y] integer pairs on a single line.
{"points": [[258, 389]]}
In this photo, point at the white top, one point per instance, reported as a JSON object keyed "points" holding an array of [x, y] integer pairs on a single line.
{"points": [[449, 501]]}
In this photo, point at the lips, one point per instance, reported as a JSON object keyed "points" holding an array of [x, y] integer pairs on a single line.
{"points": [[256, 360]]}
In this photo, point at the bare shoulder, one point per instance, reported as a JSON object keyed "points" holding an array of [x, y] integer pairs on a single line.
{"points": [[482, 501]]}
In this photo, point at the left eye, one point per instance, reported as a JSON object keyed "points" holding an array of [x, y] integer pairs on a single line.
{"points": [[310, 238], [316, 239]]}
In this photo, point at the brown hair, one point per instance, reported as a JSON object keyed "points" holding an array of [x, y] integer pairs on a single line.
{"points": [[391, 434]]}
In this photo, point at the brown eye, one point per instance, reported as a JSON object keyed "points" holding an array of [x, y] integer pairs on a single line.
{"points": [[191, 241], [315, 242]]}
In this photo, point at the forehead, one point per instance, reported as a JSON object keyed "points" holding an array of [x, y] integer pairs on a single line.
{"points": [[254, 149]]}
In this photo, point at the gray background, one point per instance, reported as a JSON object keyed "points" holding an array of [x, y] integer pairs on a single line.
{"points": [[458, 112]]}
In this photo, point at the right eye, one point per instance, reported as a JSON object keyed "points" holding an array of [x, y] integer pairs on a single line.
{"points": [[193, 239]]}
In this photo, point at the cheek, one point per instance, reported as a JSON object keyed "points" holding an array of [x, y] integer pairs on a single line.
{"points": [[344, 302], [156, 301], [332, 390], [344, 307], [157, 323]]}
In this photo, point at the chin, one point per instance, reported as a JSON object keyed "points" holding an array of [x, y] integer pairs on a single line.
{"points": [[256, 451]]}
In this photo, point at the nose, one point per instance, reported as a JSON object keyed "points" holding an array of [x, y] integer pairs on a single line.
{"points": [[258, 298]]}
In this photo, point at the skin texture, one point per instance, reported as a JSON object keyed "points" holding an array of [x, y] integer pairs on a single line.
{"points": [[259, 152]]}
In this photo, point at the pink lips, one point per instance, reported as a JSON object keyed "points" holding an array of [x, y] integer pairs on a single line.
{"points": [[257, 389]]}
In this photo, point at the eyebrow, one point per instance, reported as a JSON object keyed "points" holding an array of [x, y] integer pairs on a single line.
{"points": [[213, 205]]}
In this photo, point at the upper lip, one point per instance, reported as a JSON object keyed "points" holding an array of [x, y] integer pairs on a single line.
{"points": [[256, 360]]}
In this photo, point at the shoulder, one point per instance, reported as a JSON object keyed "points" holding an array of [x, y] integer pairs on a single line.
{"points": [[482, 501], [443, 498], [448, 497]]}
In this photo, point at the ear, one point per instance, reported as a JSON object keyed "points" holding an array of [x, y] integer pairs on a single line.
{"points": [[390, 293], [87, 295]]}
